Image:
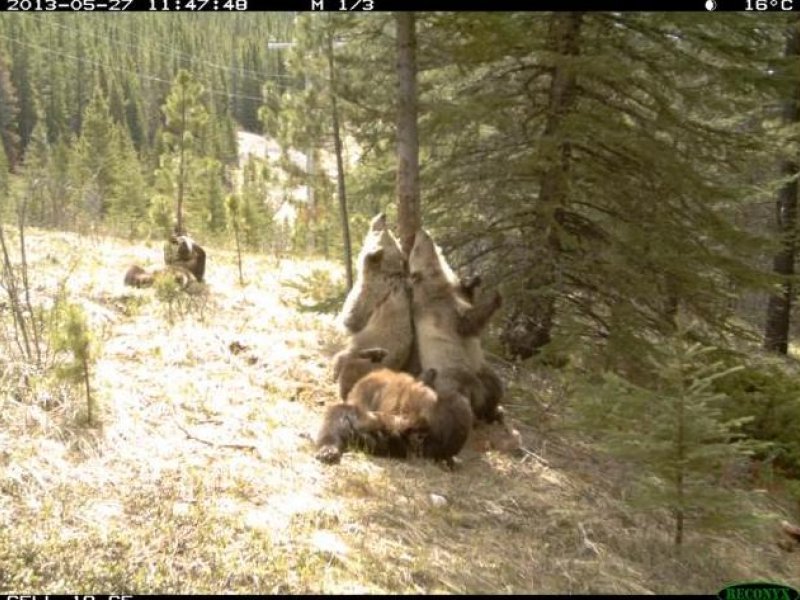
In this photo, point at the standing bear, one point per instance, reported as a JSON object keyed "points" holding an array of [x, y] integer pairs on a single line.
{"points": [[377, 311], [447, 327], [466, 289], [183, 251]]}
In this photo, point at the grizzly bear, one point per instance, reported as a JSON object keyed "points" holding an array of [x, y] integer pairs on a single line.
{"points": [[138, 277], [389, 413], [492, 385], [183, 251], [445, 321], [466, 288], [377, 310], [350, 366]]}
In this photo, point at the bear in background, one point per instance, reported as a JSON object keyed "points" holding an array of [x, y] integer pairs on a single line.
{"points": [[182, 251], [139, 277]]}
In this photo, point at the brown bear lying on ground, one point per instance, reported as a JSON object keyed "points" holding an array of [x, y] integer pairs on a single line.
{"points": [[388, 413], [138, 277]]}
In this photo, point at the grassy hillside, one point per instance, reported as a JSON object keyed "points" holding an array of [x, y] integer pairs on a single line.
{"points": [[201, 476]]}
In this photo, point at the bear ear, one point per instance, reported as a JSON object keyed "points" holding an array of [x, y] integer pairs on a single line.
{"points": [[375, 257], [378, 222]]}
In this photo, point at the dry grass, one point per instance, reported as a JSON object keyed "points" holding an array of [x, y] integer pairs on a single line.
{"points": [[200, 479]]}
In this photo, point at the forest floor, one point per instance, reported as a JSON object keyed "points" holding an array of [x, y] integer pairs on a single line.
{"points": [[200, 476]]}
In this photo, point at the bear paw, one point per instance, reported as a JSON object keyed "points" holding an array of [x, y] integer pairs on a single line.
{"points": [[329, 455]]}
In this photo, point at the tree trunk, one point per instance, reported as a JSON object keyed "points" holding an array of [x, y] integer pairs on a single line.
{"points": [[531, 320], [779, 308], [88, 387], [238, 248], [181, 168], [408, 210], [337, 142]]}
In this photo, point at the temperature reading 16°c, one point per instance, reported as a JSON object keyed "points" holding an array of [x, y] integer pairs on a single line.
{"points": [[767, 4], [356, 5]]}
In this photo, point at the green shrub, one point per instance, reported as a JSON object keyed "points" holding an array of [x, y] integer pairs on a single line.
{"points": [[326, 295], [673, 431], [771, 396]]}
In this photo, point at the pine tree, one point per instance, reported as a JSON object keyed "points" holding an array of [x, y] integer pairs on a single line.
{"points": [[73, 335], [302, 112], [36, 175], [9, 115], [339, 151], [776, 335], [96, 159], [133, 114], [673, 435], [211, 179], [253, 212], [233, 216], [128, 190], [609, 199], [52, 91], [186, 118], [407, 140], [21, 78]]}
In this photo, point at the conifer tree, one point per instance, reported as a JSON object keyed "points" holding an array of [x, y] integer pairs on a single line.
{"points": [[776, 335], [304, 115], [253, 211], [408, 210], [22, 78], [232, 213], [96, 159], [128, 190], [9, 115], [584, 192], [73, 335], [133, 114], [673, 434], [185, 119], [338, 151]]}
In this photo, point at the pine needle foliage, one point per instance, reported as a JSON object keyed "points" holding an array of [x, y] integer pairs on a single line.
{"points": [[674, 434], [73, 337]]}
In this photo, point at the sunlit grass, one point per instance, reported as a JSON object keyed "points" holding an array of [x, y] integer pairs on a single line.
{"points": [[201, 478]]}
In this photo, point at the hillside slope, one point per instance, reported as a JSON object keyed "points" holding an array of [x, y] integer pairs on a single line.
{"points": [[201, 477]]}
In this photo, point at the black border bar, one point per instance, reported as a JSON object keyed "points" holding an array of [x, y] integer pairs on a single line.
{"points": [[228, 6]]}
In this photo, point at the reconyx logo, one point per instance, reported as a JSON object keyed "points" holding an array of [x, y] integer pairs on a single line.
{"points": [[758, 591]]}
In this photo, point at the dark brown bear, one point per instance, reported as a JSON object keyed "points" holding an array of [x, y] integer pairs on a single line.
{"points": [[388, 413], [492, 385], [138, 277], [182, 251]]}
